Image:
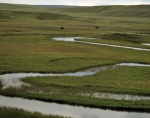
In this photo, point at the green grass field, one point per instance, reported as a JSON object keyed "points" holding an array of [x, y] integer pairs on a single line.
{"points": [[26, 45]]}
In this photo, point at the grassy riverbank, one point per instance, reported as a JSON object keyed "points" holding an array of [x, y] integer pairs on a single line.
{"points": [[26, 45], [18, 113], [121, 105], [125, 80], [72, 90], [121, 39]]}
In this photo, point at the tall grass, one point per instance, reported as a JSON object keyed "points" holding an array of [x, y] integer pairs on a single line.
{"points": [[6, 112], [127, 80]]}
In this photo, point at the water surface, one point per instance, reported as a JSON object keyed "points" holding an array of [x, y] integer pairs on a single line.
{"points": [[14, 79], [118, 46], [147, 44], [66, 110], [72, 39]]}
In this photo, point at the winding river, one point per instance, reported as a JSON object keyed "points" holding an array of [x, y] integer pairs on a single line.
{"points": [[14, 80], [72, 39]]}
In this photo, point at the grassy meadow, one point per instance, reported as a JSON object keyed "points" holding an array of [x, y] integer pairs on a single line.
{"points": [[26, 45]]}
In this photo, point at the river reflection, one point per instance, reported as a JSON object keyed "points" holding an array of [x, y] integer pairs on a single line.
{"points": [[66, 110]]}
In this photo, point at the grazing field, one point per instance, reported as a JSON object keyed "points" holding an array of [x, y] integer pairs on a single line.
{"points": [[26, 45]]}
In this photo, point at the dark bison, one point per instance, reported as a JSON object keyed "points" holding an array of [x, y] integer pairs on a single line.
{"points": [[62, 28]]}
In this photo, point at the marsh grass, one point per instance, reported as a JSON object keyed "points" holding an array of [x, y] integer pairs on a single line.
{"points": [[1, 85], [6, 112], [120, 36], [127, 80], [122, 105], [121, 39]]}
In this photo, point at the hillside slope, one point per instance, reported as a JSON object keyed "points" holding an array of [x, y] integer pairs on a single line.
{"points": [[119, 11], [116, 11]]}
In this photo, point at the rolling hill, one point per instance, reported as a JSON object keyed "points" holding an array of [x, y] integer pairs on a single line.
{"points": [[116, 11]]}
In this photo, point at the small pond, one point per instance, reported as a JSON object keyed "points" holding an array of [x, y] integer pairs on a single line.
{"points": [[66, 110]]}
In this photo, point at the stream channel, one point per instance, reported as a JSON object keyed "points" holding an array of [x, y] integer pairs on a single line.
{"points": [[72, 39], [66, 110], [14, 80]]}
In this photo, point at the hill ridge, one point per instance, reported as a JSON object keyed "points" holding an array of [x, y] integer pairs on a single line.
{"points": [[111, 10]]}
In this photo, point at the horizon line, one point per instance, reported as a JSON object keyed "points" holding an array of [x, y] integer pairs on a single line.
{"points": [[75, 5]]}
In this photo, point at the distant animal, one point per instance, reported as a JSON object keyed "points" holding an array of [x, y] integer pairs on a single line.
{"points": [[96, 27], [62, 28]]}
